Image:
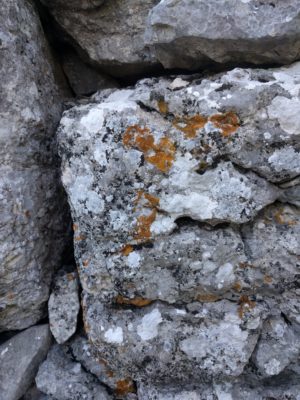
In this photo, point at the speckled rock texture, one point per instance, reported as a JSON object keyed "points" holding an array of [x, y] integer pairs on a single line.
{"points": [[183, 193], [63, 306], [63, 379], [189, 34], [33, 210], [20, 358], [110, 34]]}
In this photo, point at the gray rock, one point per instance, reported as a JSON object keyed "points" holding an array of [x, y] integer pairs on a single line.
{"points": [[73, 4], [63, 306], [65, 379], [195, 342], [34, 394], [84, 79], [190, 34], [182, 246], [33, 210], [20, 358], [278, 346], [110, 35]]}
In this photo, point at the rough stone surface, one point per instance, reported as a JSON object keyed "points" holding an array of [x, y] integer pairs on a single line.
{"points": [[20, 358], [65, 379], [111, 35], [189, 34], [82, 78], [32, 213], [63, 306], [184, 239]]}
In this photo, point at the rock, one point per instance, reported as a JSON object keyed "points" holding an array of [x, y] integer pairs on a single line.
{"points": [[20, 358], [34, 394], [65, 379], [63, 306], [84, 79], [175, 393], [111, 34], [183, 243], [74, 4], [92, 360], [278, 346], [189, 34], [211, 340], [33, 213]]}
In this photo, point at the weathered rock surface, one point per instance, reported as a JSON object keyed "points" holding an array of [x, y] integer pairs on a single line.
{"points": [[63, 306], [33, 218], [183, 240], [20, 358], [65, 379], [82, 78], [189, 34], [111, 34]]}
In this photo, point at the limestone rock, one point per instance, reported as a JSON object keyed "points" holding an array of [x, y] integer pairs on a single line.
{"points": [[33, 210], [65, 379], [84, 79], [63, 306], [190, 34], [206, 341], [20, 358], [278, 346], [183, 242], [110, 34]]}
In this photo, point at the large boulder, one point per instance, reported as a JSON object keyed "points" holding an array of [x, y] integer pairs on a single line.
{"points": [[33, 209], [111, 35], [190, 34], [182, 246]]}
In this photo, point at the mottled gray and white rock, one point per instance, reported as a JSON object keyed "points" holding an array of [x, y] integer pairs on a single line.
{"points": [[65, 379], [20, 358], [82, 78], [33, 211], [63, 306], [190, 34], [278, 346], [182, 245], [111, 34]]}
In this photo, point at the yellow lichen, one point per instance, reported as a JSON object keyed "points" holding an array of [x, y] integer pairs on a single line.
{"points": [[125, 386], [126, 250], [245, 304], [136, 301], [190, 125], [161, 155], [162, 106], [207, 297], [228, 122]]}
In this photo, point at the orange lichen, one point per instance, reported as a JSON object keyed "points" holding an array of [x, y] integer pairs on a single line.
{"points": [[162, 106], [85, 263], [75, 227], [245, 304], [161, 155], [125, 386], [207, 297], [143, 227], [268, 279], [190, 125], [110, 374], [237, 286], [70, 277], [126, 250], [136, 301], [79, 238], [280, 218], [228, 122]]}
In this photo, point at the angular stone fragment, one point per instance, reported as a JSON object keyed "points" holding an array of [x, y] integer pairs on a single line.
{"points": [[65, 379], [63, 306], [84, 79], [33, 211], [278, 346], [92, 360], [20, 358], [211, 340], [110, 34], [175, 393], [189, 34]]}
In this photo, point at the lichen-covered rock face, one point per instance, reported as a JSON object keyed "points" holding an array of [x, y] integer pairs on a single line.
{"points": [[189, 34], [63, 306], [184, 242], [32, 212], [111, 34], [63, 379]]}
